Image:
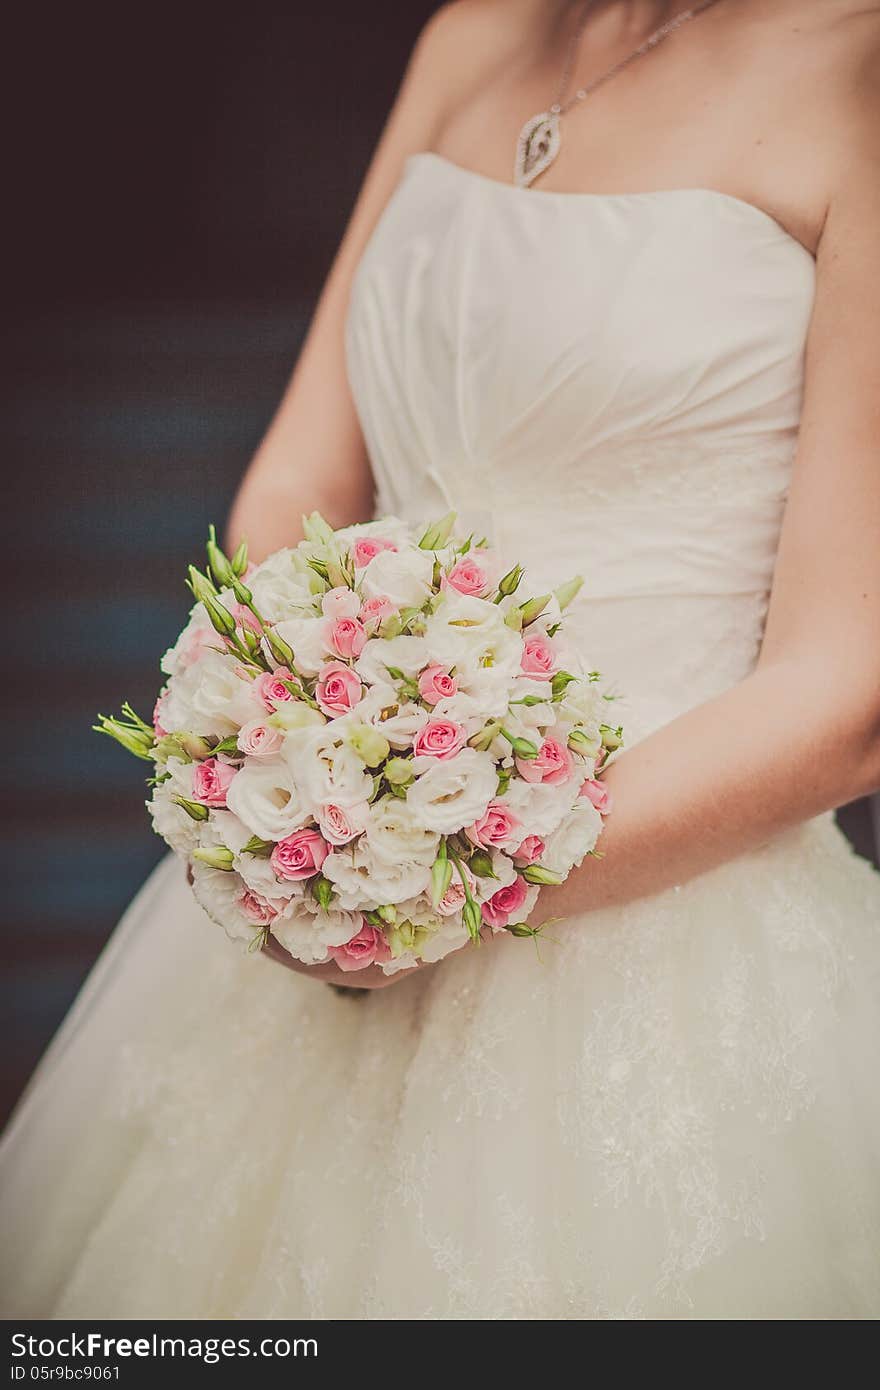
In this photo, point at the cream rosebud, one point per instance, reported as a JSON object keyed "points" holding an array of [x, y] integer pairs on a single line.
{"points": [[316, 529], [580, 742], [611, 738], [534, 873], [371, 746], [533, 608], [566, 592], [438, 533], [215, 856], [398, 771]]}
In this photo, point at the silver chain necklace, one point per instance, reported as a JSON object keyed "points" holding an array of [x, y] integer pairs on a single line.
{"points": [[541, 137]]}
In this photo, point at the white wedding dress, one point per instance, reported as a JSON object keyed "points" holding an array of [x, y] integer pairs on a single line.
{"points": [[674, 1112]]}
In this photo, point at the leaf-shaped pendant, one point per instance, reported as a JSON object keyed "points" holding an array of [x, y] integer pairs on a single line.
{"points": [[536, 148]]}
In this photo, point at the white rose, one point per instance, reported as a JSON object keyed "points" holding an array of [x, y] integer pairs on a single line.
{"points": [[395, 834], [390, 528], [210, 697], [468, 631], [575, 837], [447, 796], [326, 768], [177, 829], [279, 589], [307, 930], [363, 881], [265, 796], [539, 805], [308, 638], [404, 576]]}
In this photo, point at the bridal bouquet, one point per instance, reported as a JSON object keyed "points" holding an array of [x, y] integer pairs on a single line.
{"points": [[371, 746]]}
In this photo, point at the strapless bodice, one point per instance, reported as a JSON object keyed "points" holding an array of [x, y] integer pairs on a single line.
{"points": [[608, 385]]}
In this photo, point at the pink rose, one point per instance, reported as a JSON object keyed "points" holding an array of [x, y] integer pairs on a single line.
{"points": [[539, 657], [598, 794], [340, 602], [498, 828], [530, 851], [366, 548], [375, 610], [257, 909], [454, 898], [340, 824], [435, 683], [346, 637], [552, 765], [440, 738], [300, 855], [368, 947], [245, 618], [259, 740], [339, 688], [157, 718], [210, 781], [271, 690], [467, 577], [506, 903]]}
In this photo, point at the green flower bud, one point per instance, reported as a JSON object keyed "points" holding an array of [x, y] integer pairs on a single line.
{"points": [[513, 618], [240, 558], [579, 741], [535, 873], [560, 682], [387, 914], [398, 771], [566, 592], [132, 738], [195, 747], [480, 863], [200, 585], [371, 746], [511, 581], [194, 809], [260, 848], [483, 740], [521, 929], [281, 650], [504, 776], [611, 738], [472, 918], [441, 875], [438, 533], [222, 620], [215, 856], [295, 714], [220, 567], [533, 608], [522, 747], [322, 891]]}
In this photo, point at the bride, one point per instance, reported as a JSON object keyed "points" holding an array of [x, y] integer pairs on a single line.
{"points": [[651, 354]]}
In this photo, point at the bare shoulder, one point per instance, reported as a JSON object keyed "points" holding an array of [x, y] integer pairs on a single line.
{"points": [[465, 40]]}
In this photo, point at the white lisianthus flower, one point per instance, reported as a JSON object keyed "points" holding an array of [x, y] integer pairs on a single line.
{"points": [[327, 769], [404, 576], [265, 796], [309, 639], [389, 528], [467, 632], [280, 590], [218, 893], [211, 697], [405, 653], [362, 880], [224, 828], [307, 930], [532, 717], [401, 727], [539, 805], [449, 795], [449, 936], [576, 836], [195, 637], [395, 834], [177, 829]]}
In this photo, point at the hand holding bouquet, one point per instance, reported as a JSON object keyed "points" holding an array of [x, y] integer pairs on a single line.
{"points": [[371, 746]]}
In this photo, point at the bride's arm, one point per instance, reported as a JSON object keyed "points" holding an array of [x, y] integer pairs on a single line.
{"points": [[313, 456], [801, 735]]}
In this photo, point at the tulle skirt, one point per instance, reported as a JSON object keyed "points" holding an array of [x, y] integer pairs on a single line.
{"points": [[670, 1111]]}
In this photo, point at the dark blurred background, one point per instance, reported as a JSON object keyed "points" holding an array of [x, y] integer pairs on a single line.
{"points": [[177, 183]]}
